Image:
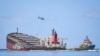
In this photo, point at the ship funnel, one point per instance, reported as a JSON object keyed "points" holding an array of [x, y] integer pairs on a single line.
{"points": [[54, 37]]}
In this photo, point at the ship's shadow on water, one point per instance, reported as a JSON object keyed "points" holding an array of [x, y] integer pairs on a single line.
{"points": [[50, 53]]}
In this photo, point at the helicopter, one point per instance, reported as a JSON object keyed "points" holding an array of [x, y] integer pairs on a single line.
{"points": [[41, 18]]}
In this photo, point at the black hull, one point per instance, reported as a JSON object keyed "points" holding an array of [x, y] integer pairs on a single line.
{"points": [[47, 49], [91, 47]]}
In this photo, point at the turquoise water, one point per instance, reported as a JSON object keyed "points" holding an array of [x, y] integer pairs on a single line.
{"points": [[48, 53]]}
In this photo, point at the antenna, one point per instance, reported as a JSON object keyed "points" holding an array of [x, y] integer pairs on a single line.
{"points": [[53, 31], [17, 29], [87, 37]]}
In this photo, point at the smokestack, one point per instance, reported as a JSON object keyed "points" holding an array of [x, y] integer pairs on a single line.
{"points": [[54, 37]]}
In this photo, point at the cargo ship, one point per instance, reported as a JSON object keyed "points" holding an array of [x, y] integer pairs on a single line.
{"points": [[86, 45], [22, 41]]}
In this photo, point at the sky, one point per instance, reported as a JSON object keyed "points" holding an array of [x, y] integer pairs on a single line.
{"points": [[72, 19]]}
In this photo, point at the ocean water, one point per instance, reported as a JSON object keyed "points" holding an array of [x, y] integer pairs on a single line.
{"points": [[48, 53]]}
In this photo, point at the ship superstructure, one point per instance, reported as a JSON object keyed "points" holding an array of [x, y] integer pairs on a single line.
{"points": [[53, 43]]}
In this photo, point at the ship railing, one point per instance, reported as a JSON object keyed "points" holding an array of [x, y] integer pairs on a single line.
{"points": [[29, 39]]}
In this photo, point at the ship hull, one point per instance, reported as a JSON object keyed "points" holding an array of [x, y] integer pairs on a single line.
{"points": [[10, 45], [45, 48], [91, 47]]}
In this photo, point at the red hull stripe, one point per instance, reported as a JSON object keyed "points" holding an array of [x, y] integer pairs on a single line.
{"points": [[9, 46]]}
